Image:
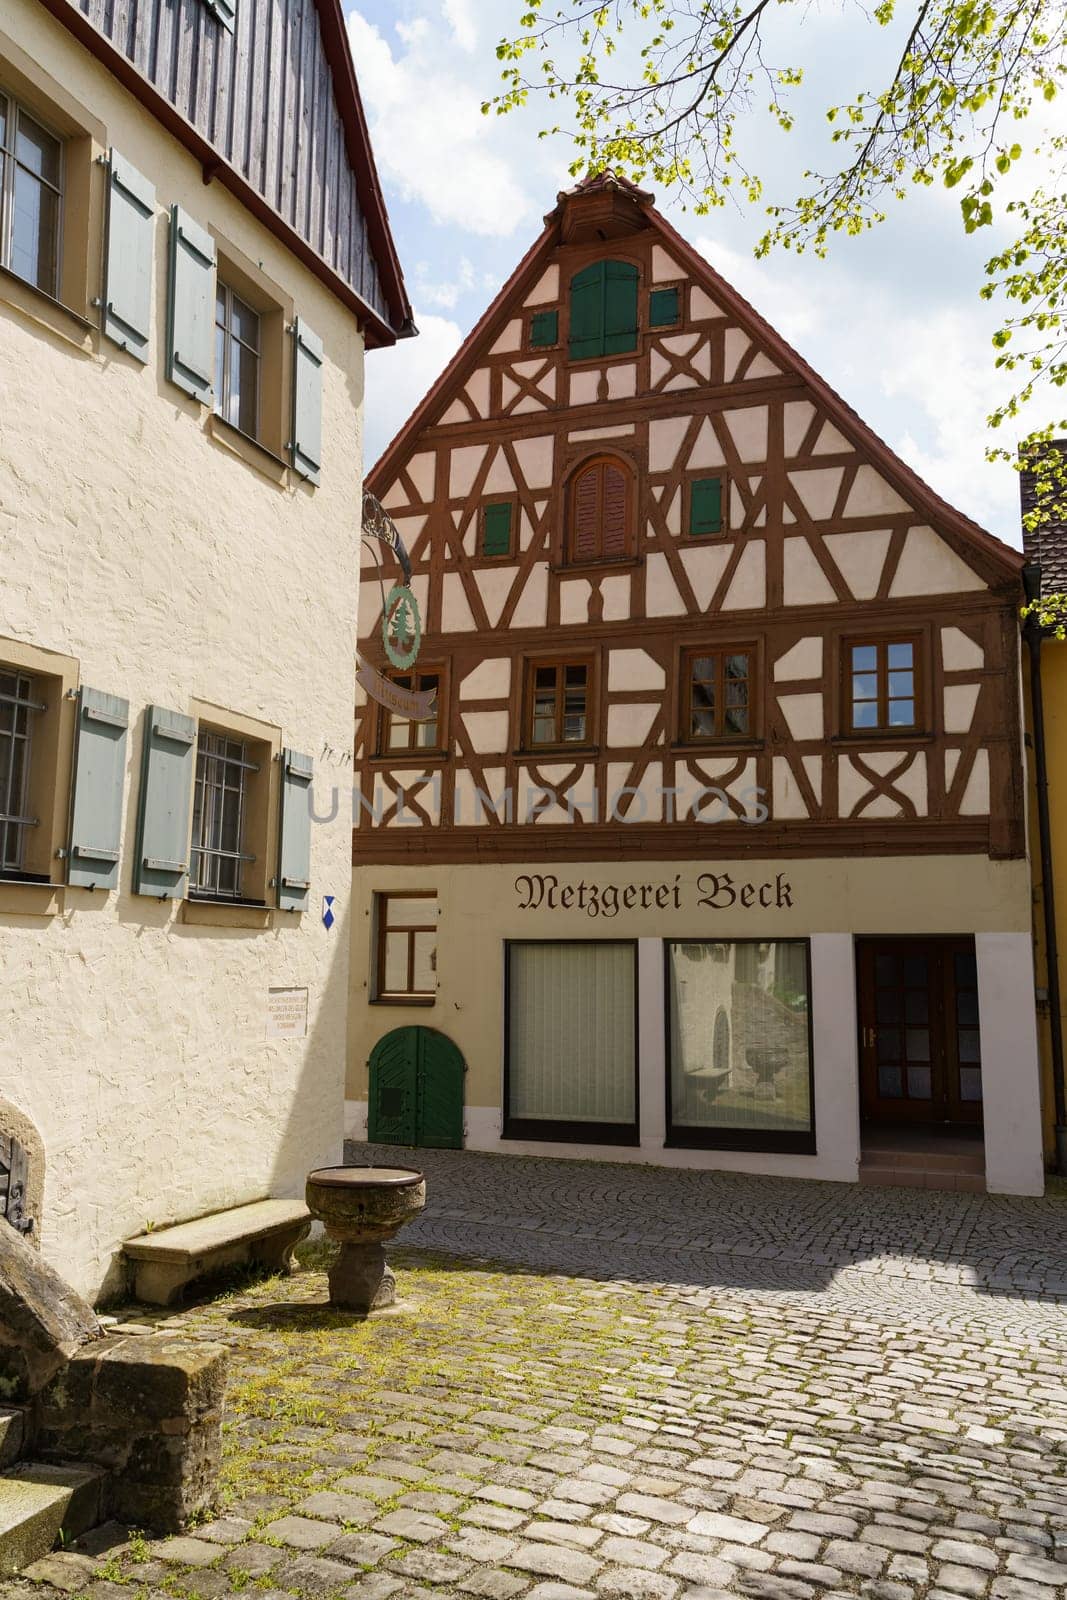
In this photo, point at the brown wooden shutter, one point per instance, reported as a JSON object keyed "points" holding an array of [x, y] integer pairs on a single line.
{"points": [[586, 532], [613, 517]]}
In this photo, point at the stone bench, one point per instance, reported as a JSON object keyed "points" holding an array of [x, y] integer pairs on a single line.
{"points": [[168, 1259]]}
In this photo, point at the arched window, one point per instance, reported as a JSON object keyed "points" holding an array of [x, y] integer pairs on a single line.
{"points": [[603, 310], [600, 515]]}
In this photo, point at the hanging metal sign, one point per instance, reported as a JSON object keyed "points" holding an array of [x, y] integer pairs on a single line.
{"points": [[401, 624], [415, 705]]}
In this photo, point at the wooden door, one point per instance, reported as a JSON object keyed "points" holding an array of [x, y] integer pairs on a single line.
{"points": [[416, 1090], [920, 1050]]}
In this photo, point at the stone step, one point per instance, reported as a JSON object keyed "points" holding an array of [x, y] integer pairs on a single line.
{"points": [[40, 1502], [925, 1160], [12, 1434], [898, 1177]]}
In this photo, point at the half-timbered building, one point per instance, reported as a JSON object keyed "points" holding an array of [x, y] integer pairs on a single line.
{"points": [[712, 850]]}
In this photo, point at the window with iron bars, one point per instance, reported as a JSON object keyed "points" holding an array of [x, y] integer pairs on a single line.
{"points": [[219, 807], [18, 704]]}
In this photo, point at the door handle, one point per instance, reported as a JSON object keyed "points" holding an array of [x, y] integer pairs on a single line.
{"points": [[869, 1036]]}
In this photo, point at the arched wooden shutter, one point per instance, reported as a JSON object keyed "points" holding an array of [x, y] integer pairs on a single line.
{"points": [[600, 512], [585, 535], [614, 532]]}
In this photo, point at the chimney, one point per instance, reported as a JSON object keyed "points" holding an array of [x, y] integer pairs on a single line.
{"points": [[1045, 544]]}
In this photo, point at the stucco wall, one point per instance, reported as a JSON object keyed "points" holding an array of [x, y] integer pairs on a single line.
{"points": [[829, 901], [172, 570]]}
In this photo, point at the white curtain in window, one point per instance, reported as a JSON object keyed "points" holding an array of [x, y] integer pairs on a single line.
{"points": [[571, 1032]]}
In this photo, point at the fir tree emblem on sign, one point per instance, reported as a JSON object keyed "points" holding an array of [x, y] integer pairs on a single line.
{"points": [[401, 627]]}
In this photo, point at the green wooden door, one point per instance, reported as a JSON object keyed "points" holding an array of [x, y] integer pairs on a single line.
{"points": [[416, 1090]]}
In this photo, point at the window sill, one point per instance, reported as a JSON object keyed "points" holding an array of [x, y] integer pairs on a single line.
{"points": [[553, 752], [29, 897], [403, 1000], [575, 569], [882, 738], [412, 758], [248, 449], [48, 312], [744, 744], [226, 914]]}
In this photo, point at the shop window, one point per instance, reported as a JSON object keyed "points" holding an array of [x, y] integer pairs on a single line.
{"points": [[882, 685], [600, 511], [571, 1066], [558, 703], [31, 197], [603, 310], [717, 695], [399, 735], [406, 961], [740, 1045]]}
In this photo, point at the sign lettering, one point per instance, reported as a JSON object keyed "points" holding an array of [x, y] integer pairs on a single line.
{"points": [[717, 891]]}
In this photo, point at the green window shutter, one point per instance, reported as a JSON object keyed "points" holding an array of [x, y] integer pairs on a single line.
{"points": [[191, 308], [96, 806], [306, 444], [224, 10], [294, 847], [168, 761], [587, 312], [496, 537], [663, 308], [544, 329], [620, 308], [131, 219], [705, 506]]}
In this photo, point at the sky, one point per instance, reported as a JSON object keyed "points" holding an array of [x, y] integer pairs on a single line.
{"points": [[892, 320]]}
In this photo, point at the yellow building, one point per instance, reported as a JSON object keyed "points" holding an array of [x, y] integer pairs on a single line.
{"points": [[194, 256], [1046, 683]]}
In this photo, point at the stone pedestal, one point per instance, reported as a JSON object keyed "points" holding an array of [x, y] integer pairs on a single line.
{"points": [[361, 1207]]}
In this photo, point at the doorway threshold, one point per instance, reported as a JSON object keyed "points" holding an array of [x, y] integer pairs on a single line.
{"points": [[937, 1157]]}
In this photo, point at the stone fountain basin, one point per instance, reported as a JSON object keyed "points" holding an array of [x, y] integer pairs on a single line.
{"points": [[362, 1205]]}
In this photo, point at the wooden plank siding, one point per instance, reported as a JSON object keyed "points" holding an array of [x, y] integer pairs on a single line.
{"points": [[264, 98]]}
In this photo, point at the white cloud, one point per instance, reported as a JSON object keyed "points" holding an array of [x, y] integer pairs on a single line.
{"points": [[460, 14], [447, 294], [430, 138], [398, 378]]}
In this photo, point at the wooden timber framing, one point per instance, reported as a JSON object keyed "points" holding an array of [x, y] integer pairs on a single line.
{"points": [[826, 537]]}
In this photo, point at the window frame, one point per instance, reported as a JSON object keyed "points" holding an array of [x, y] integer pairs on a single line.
{"points": [[498, 500], [213, 855], [602, 354], [676, 286], [266, 451], [881, 642], [382, 996], [601, 460], [49, 787], [224, 379], [560, 663], [16, 108], [558, 1132], [749, 647], [261, 819], [768, 1141], [14, 809], [702, 475], [410, 752], [531, 317]]}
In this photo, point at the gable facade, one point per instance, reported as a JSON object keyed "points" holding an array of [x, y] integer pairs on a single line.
{"points": [[681, 606]]}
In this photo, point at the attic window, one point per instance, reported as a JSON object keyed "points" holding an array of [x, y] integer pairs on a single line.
{"points": [[603, 310]]}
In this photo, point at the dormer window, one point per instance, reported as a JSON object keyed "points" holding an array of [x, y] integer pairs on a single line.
{"points": [[600, 511], [603, 310]]}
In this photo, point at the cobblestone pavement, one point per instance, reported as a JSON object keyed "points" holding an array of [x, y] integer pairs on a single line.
{"points": [[664, 1386]]}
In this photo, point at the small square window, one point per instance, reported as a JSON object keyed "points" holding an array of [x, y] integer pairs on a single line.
{"points": [[398, 734], [544, 330], [717, 690], [558, 703], [406, 964], [882, 686], [664, 308]]}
